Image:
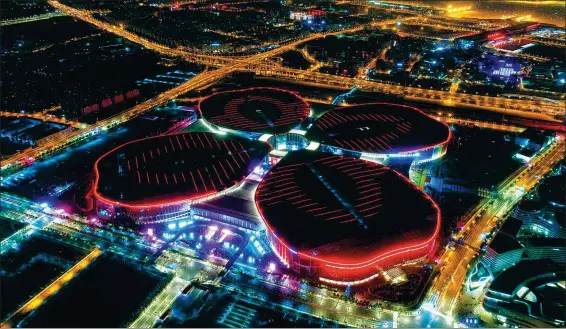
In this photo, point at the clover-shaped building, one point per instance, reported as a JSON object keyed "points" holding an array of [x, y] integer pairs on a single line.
{"points": [[331, 210]]}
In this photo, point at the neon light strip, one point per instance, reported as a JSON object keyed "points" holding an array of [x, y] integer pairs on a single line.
{"points": [[349, 283], [278, 153], [211, 129], [298, 131], [418, 149], [305, 108], [195, 199], [313, 146], [264, 137], [369, 262]]}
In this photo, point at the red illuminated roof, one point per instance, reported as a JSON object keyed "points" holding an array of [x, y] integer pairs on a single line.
{"points": [[331, 206], [316, 12], [379, 128], [264, 110], [172, 168]]}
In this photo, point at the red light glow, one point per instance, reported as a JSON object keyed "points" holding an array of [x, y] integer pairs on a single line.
{"points": [[233, 119], [358, 267]]}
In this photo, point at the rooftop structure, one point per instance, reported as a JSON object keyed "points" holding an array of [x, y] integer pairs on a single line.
{"points": [[341, 219], [469, 41], [381, 130], [505, 68], [237, 208], [537, 222], [255, 110], [531, 289], [176, 169], [553, 191], [528, 209]]}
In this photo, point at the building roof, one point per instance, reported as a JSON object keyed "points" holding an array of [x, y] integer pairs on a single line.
{"points": [[503, 243], [475, 37], [335, 206], [513, 277], [238, 204], [545, 242], [528, 152], [379, 128], [511, 226], [529, 133], [553, 189], [539, 140], [530, 206], [263, 110], [174, 168]]}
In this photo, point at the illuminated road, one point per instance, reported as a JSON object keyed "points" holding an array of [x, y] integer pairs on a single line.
{"points": [[160, 304], [15, 238], [480, 124], [314, 301], [533, 109], [214, 60], [454, 86], [24, 211], [362, 72], [45, 118], [30, 19], [122, 32], [518, 54], [548, 42], [68, 225], [51, 109], [315, 65], [45, 16], [443, 295], [66, 42], [199, 81], [445, 25], [53, 288], [486, 102]]}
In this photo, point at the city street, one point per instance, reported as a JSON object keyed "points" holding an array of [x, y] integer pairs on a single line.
{"points": [[297, 163]]}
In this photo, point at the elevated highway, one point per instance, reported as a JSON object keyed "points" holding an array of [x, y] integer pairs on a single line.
{"points": [[227, 66], [124, 33], [43, 117], [544, 41], [13, 320], [523, 108], [261, 65], [196, 57], [198, 81], [22, 20], [268, 68]]}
